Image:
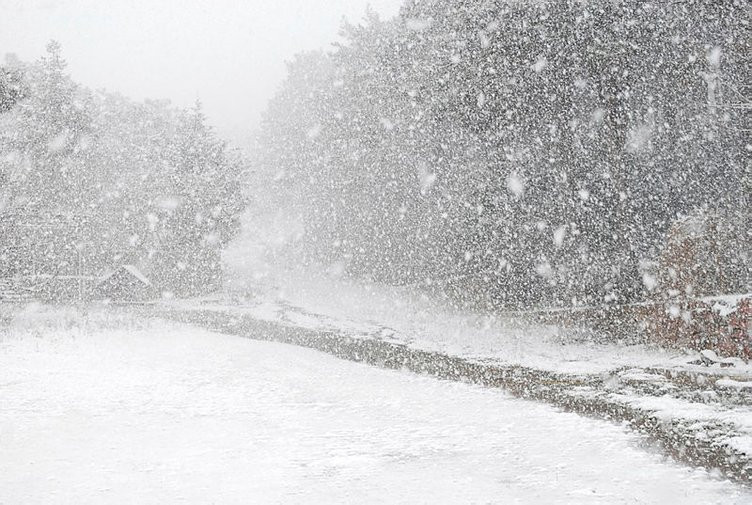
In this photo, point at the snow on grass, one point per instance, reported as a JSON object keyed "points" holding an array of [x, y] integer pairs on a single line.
{"points": [[730, 383], [106, 409], [669, 408]]}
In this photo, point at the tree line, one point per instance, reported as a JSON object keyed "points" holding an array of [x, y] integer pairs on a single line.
{"points": [[518, 153], [90, 180]]}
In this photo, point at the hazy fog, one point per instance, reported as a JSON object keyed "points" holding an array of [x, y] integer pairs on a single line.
{"points": [[228, 53]]}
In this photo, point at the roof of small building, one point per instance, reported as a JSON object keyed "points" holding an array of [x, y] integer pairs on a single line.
{"points": [[133, 271], [137, 274]]}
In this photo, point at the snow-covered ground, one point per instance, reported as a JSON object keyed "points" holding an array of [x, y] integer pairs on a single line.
{"points": [[114, 410]]}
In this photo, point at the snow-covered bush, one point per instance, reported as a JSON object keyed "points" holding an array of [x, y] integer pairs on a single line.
{"points": [[720, 324], [706, 255]]}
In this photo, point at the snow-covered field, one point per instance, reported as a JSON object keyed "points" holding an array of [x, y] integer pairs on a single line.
{"points": [[115, 410]]}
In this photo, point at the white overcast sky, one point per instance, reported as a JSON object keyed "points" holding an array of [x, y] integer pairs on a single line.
{"points": [[228, 53]]}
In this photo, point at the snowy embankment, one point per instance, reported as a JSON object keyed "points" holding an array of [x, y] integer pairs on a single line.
{"points": [[111, 409], [408, 315]]}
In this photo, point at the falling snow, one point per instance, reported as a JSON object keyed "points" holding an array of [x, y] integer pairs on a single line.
{"points": [[548, 200]]}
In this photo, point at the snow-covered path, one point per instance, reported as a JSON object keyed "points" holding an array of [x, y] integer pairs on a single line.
{"points": [[158, 413]]}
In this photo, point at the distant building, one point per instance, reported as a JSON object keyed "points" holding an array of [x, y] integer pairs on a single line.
{"points": [[126, 284]]}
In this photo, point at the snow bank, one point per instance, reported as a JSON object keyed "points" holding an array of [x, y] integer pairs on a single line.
{"points": [[316, 300]]}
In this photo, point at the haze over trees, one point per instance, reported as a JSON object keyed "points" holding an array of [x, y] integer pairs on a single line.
{"points": [[480, 249], [92, 180], [519, 154]]}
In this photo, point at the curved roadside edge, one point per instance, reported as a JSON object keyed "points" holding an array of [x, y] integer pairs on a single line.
{"points": [[685, 440]]}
